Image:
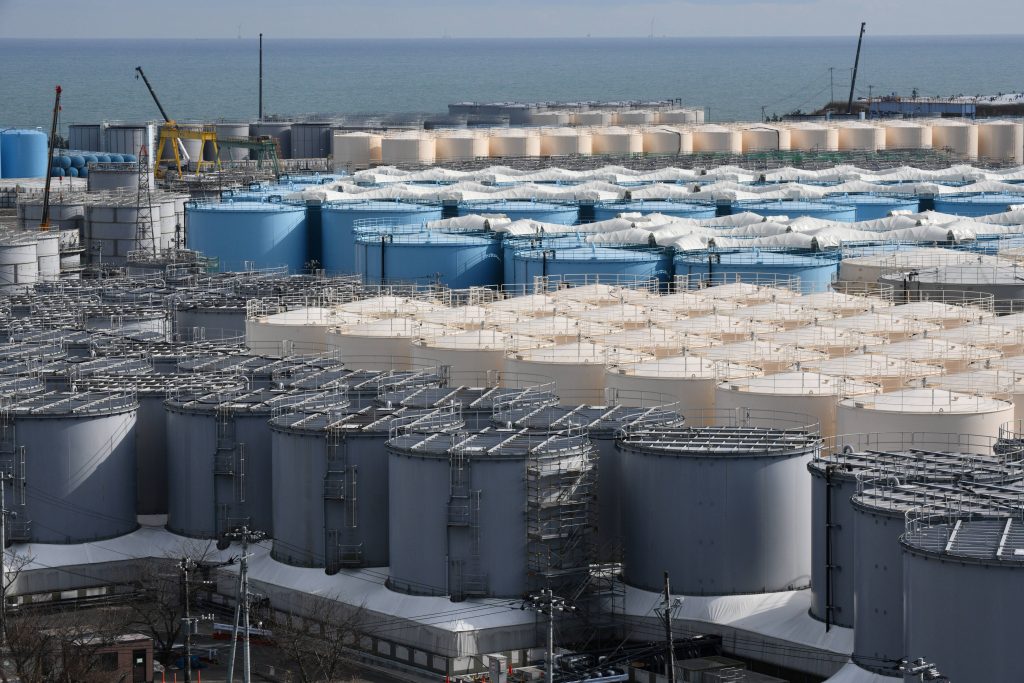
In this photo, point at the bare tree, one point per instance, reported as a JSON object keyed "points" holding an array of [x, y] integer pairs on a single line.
{"points": [[315, 636]]}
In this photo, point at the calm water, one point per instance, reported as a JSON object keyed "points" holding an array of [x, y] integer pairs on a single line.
{"points": [[734, 77]]}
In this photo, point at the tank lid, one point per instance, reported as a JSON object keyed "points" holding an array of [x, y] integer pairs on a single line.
{"points": [[601, 420], [995, 540], [729, 440], [497, 444], [79, 404]]}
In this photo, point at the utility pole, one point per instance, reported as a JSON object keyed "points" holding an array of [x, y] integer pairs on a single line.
{"points": [[189, 623], [261, 77], [245, 536], [856, 63], [547, 603], [666, 611], [831, 85], [4, 513]]}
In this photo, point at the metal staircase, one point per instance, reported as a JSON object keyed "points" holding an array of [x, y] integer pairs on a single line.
{"points": [[467, 578], [12, 478], [341, 499], [229, 465]]}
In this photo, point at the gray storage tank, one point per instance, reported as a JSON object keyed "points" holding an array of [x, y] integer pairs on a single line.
{"points": [[330, 483], [72, 463], [732, 498], [456, 512]]}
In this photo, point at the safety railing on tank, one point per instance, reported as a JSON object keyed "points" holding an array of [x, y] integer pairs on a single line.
{"points": [[787, 285]]}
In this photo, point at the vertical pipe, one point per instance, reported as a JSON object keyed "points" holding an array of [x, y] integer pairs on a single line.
{"points": [[261, 77]]}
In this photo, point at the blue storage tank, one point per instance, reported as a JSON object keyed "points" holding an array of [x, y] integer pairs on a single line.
{"points": [[103, 158], [583, 264], [977, 204], [83, 172], [795, 208], [130, 158], [265, 234], [23, 153], [607, 210], [544, 212], [116, 158], [455, 260], [868, 207], [57, 172], [62, 162], [815, 272], [338, 224], [510, 245], [77, 161], [73, 172], [91, 159]]}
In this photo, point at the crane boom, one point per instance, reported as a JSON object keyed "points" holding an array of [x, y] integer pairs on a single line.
{"points": [[44, 223], [856, 63], [152, 92]]}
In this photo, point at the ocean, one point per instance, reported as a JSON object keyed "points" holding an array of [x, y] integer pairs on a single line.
{"points": [[733, 77]]}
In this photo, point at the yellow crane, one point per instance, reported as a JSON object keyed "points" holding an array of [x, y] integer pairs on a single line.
{"points": [[173, 133]]}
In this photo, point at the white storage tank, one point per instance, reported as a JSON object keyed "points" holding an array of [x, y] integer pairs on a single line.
{"points": [[810, 393], [617, 141], [678, 116], [48, 256], [560, 142], [959, 137], [828, 340], [1001, 141], [19, 263], [355, 151], [891, 374], [861, 137], [230, 130], [689, 380], [577, 368], [407, 148], [924, 411], [667, 140], [950, 356], [460, 145], [765, 139], [1005, 385], [471, 352], [297, 331], [514, 143], [810, 137], [594, 117], [907, 135], [635, 117], [717, 140], [381, 344], [767, 356]]}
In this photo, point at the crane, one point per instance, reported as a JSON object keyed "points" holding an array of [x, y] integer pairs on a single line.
{"points": [[171, 132], [44, 223], [856, 64]]}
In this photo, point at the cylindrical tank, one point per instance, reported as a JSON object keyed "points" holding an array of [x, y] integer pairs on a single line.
{"points": [[928, 411], [617, 141], [128, 138], [668, 140], [795, 208], [562, 142], [813, 138], [677, 116], [732, 497], [861, 137], [456, 512], [297, 331], [279, 130], [978, 204], [815, 273], [870, 206], [591, 263], [593, 117], [458, 261], [230, 130], [968, 570], [765, 139], [542, 212], [338, 222], [514, 143], [635, 117], [576, 368], [19, 263], [310, 139], [1001, 141], [355, 151], [115, 177], [471, 352], [907, 135], [111, 229], [408, 148], [48, 256], [808, 393], [381, 344], [689, 380], [23, 153], [72, 457], [712, 139], [453, 145], [696, 210], [259, 234], [85, 136], [958, 137]]}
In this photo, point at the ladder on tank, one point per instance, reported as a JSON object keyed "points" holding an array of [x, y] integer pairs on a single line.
{"points": [[467, 578], [229, 463], [12, 472], [341, 490]]}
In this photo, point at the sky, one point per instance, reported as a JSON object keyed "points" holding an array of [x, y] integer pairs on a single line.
{"points": [[504, 18]]}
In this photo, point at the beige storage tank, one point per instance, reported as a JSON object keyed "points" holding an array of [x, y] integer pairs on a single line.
{"points": [[299, 331], [889, 373], [813, 138], [636, 117], [723, 327], [355, 151], [783, 313], [514, 143], [765, 139], [654, 341], [749, 293], [860, 137], [957, 137], [626, 315], [617, 141], [766, 356], [666, 140], [807, 393], [472, 352], [563, 142], [930, 414], [907, 135], [598, 294], [882, 325], [1008, 341], [560, 329], [577, 369], [1001, 141], [717, 140], [550, 118], [945, 315], [690, 380], [828, 340], [678, 116], [1005, 385], [457, 145], [841, 305], [685, 304], [379, 345], [466, 317], [951, 356], [592, 118], [407, 148], [389, 306]]}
